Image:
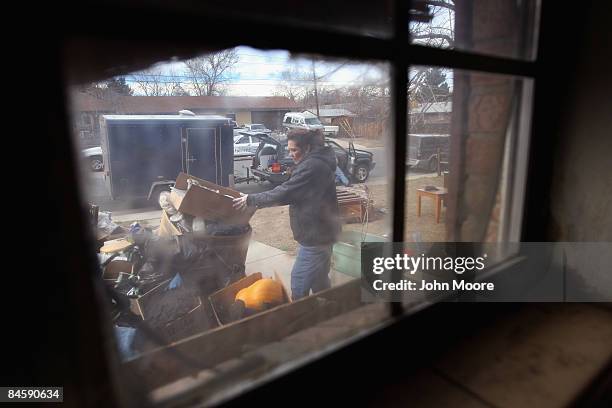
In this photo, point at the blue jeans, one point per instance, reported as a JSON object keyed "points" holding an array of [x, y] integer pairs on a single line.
{"points": [[341, 177], [311, 270]]}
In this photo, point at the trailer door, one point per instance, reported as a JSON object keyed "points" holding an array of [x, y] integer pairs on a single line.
{"points": [[202, 152]]}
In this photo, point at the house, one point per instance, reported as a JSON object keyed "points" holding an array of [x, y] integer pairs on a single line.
{"points": [[333, 116], [268, 110], [433, 117], [355, 119], [343, 118]]}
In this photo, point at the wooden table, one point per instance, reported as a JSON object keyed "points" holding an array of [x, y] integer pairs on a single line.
{"points": [[438, 195]]}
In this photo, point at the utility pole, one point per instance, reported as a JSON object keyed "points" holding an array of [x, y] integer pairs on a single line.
{"points": [[314, 78]]}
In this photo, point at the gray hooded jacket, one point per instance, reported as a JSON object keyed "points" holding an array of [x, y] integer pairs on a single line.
{"points": [[311, 195]]}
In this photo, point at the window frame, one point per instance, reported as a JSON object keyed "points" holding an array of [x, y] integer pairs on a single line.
{"points": [[396, 50]]}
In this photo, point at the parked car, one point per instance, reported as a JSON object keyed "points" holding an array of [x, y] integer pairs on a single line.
{"points": [[272, 161], [307, 120], [423, 151], [246, 143], [93, 158], [257, 127]]}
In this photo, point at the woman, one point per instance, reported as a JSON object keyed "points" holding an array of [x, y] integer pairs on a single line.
{"points": [[313, 209]]}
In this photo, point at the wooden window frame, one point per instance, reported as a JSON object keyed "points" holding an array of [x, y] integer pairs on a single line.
{"points": [[396, 50]]}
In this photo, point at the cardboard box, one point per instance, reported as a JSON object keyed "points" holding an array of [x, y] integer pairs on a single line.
{"points": [[114, 267], [208, 200], [115, 245], [166, 227], [222, 300]]}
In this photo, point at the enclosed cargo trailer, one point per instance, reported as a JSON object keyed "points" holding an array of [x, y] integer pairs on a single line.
{"points": [[145, 153]]}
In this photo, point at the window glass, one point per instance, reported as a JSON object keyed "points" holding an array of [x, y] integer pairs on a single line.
{"points": [[504, 28], [312, 121], [465, 157], [180, 262]]}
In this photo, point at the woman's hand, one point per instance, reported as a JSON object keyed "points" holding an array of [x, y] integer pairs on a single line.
{"points": [[240, 203]]}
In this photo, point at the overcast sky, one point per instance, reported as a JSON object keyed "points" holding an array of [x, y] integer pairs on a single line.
{"points": [[258, 73]]}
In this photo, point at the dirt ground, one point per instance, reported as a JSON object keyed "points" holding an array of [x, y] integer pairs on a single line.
{"points": [[271, 225]]}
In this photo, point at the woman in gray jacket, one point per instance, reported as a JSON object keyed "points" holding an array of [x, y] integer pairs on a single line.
{"points": [[310, 193]]}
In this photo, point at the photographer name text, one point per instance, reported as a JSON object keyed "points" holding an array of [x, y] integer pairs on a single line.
{"points": [[407, 285]]}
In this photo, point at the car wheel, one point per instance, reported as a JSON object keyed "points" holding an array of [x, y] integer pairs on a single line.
{"points": [[96, 163], [361, 173]]}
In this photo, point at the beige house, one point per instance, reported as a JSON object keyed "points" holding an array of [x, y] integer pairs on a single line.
{"points": [[267, 110]]}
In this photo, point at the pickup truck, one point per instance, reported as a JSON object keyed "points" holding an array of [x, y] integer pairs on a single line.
{"points": [[423, 151], [308, 120], [331, 131], [354, 163]]}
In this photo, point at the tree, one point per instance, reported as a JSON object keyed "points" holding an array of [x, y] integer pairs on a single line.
{"points": [[294, 84], [301, 84], [107, 89], [174, 86], [178, 90], [96, 89], [431, 86], [151, 82], [428, 85], [207, 73], [119, 86], [439, 31]]}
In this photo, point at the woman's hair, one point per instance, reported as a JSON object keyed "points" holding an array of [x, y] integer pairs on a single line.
{"points": [[306, 138]]}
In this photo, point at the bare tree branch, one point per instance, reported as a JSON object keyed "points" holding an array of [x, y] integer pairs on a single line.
{"points": [[433, 36], [208, 72], [150, 82], [444, 4]]}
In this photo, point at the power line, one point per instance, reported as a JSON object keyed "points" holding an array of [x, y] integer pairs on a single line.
{"points": [[264, 81]]}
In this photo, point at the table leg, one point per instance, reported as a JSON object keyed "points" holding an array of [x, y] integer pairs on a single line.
{"points": [[418, 205], [438, 205]]}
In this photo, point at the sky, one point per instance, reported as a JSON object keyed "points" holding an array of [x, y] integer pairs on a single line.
{"points": [[258, 73]]}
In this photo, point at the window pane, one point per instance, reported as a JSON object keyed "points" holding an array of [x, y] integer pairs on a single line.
{"points": [[466, 157], [503, 28], [182, 271]]}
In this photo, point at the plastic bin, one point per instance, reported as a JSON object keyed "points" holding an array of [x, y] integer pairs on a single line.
{"points": [[346, 257], [222, 263]]}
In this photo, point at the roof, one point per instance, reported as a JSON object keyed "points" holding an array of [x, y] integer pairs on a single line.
{"points": [[305, 114], [172, 104], [436, 107], [427, 135], [165, 117]]}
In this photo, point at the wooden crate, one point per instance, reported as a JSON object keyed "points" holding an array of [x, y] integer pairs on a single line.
{"points": [[353, 203]]}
